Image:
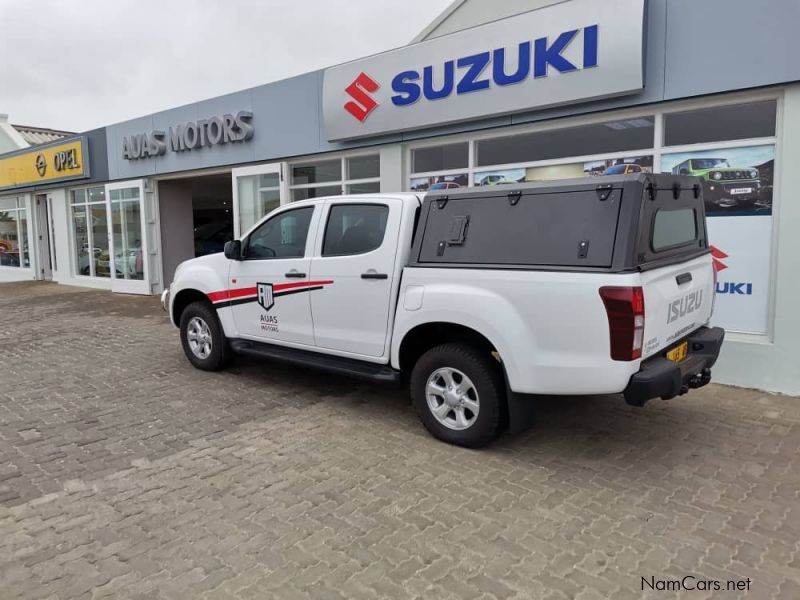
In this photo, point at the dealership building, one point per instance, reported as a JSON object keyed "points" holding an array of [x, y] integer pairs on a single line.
{"points": [[487, 94]]}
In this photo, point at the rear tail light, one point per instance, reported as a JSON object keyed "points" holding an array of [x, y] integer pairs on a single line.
{"points": [[625, 310]]}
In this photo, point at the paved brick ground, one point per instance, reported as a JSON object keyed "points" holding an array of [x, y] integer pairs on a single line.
{"points": [[124, 473]]}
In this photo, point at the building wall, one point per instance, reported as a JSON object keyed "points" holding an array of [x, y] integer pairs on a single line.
{"points": [[772, 363]]}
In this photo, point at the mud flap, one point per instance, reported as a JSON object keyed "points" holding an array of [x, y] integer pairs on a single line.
{"points": [[521, 410]]}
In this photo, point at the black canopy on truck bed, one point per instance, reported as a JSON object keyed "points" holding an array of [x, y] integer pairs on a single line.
{"points": [[612, 224]]}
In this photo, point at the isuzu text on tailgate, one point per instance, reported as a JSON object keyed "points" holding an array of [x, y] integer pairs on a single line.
{"points": [[477, 299]]}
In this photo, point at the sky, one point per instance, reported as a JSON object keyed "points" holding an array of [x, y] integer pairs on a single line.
{"points": [[80, 65]]}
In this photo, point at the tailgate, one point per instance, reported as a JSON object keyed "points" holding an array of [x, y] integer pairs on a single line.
{"points": [[677, 300]]}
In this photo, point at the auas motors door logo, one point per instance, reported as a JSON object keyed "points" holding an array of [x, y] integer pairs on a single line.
{"points": [[265, 297], [742, 288]]}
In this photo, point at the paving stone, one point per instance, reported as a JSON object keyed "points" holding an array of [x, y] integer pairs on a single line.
{"points": [[125, 473]]}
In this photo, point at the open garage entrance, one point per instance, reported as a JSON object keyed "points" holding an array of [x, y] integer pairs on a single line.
{"points": [[196, 216]]}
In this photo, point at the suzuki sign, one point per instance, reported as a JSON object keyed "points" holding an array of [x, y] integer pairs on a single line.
{"points": [[570, 52]]}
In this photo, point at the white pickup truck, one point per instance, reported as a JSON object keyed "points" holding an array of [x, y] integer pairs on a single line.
{"points": [[477, 298]]}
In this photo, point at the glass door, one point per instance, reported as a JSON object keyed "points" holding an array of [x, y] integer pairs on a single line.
{"points": [[257, 190], [129, 268]]}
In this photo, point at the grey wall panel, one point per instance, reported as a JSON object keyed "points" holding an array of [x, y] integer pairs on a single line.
{"points": [[98, 158], [655, 41], [720, 45], [287, 117], [129, 169]]}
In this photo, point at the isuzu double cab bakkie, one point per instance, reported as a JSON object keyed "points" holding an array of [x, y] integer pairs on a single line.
{"points": [[478, 299]]}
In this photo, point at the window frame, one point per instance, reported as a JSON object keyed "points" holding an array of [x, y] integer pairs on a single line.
{"points": [[263, 223], [343, 184], [690, 242], [655, 150], [23, 233], [86, 205], [328, 220]]}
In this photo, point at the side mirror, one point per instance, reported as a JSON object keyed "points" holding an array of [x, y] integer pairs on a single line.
{"points": [[233, 250]]}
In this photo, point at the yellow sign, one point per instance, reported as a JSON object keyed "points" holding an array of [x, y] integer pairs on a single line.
{"points": [[44, 165]]}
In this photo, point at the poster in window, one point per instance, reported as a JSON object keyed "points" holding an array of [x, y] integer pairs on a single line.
{"points": [[736, 181], [619, 166], [499, 177], [439, 182], [737, 192]]}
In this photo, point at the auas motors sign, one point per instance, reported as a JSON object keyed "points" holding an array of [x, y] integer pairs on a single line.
{"points": [[224, 129], [569, 52]]}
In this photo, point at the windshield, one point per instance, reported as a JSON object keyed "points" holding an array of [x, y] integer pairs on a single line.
{"points": [[709, 163], [615, 170]]}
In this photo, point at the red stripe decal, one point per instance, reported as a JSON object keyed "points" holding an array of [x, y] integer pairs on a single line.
{"points": [[234, 294], [279, 287]]}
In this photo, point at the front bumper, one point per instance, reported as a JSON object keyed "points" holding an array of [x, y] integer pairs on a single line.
{"points": [[165, 300], [662, 378]]}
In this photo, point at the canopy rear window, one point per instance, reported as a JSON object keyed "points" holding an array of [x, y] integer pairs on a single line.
{"points": [[673, 228]]}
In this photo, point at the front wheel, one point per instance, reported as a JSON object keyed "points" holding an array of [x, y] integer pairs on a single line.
{"points": [[202, 337], [458, 394]]}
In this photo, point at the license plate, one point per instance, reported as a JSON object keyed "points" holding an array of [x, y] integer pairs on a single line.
{"points": [[678, 353], [741, 190]]}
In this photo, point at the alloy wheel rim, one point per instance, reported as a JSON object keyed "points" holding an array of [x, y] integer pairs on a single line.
{"points": [[198, 334], [452, 398]]}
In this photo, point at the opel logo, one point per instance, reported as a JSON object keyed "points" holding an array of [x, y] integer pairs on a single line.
{"points": [[41, 165]]}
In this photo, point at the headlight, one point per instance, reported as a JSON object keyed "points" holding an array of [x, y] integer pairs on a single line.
{"points": [[716, 175], [753, 173]]}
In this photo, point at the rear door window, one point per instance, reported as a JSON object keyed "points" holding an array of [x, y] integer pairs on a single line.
{"points": [[673, 228], [354, 229]]}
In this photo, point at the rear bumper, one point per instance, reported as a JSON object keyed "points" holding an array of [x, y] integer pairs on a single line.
{"points": [[662, 378]]}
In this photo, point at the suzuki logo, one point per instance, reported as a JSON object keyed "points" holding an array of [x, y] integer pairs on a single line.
{"points": [[716, 258], [360, 91], [742, 288]]}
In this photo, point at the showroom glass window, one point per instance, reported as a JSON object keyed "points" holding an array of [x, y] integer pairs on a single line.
{"points": [[439, 167], [126, 221], [89, 215], [14, 250], [335, 176]]}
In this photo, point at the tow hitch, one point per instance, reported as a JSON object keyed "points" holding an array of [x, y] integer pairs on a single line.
{"points": [[701, 379]]}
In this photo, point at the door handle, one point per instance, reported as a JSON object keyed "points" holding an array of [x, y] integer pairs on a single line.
{"points": [[373, 275], [683, 278], [294, 275]]}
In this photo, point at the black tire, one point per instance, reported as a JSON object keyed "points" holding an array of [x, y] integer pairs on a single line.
{"points": [[486, 377], [220, 352]]}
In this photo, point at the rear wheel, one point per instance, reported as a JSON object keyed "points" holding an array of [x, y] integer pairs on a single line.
{"points": [[458, 394], [202, 337]]}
